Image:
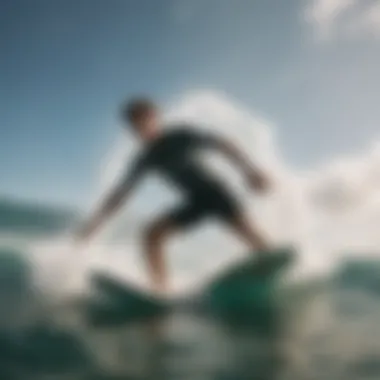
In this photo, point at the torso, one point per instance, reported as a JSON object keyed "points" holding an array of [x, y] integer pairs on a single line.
{"points": [[174, 157]]}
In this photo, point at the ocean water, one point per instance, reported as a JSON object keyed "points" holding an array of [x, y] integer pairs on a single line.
{"points": [[323, 328]]}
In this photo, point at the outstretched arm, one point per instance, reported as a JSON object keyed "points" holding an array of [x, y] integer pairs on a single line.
{"points": [[112, 202], [109, 206]]}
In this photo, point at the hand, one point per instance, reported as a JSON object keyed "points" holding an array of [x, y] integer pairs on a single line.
{"points": [[258, 181]]}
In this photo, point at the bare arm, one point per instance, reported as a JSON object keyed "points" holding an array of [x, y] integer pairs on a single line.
{"points": [[109, 206], [112, 202], [231, 151]]}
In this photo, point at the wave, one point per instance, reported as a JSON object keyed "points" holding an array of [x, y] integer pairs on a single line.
{"points": [[18, 217], [317, 316]]}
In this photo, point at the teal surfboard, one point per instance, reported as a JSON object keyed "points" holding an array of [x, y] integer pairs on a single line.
{"points": [[119, 302], [246, 292]]}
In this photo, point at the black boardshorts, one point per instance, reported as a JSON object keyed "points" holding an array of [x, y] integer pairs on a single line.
{"points": [[219, 204]]}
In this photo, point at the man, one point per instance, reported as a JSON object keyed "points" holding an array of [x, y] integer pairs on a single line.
{"points": [[171, 154]]}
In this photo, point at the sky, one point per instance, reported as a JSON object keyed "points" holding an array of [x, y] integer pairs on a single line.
{"points": [[307, 67]]}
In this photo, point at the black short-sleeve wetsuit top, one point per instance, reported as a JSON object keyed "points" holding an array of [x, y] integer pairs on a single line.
{"points": [[173, 157]]}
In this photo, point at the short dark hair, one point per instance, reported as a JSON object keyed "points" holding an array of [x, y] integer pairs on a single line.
{"points": [[136, 108]]}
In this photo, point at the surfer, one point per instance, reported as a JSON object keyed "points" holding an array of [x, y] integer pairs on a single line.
{"points": [[170, 154]]}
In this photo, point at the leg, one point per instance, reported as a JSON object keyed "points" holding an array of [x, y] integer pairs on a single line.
{"points": [[231, 212], [155, 237], [248, 232], [157, 234]]}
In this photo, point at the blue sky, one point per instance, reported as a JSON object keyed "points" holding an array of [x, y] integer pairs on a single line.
{"points": [[66, 65]]}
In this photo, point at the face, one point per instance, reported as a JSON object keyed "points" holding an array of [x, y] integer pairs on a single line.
{"points": [[147, 126]]}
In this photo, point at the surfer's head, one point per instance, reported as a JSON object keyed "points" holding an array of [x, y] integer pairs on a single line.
{"points": [[142, 115]]}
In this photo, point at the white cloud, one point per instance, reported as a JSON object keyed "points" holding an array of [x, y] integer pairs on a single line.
{"points": [[343, 18], [369, 19], [325, 13]]}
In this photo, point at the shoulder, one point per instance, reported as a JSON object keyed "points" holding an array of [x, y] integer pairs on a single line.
{"points": [[196, 135], [142, 159], [182, 131], [137, 162]]}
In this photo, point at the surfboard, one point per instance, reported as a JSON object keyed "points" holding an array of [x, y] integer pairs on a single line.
{"points": [[246, 291], [120, 302]]}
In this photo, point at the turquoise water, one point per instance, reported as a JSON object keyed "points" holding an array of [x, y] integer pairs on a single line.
{"points": [[325, 329]]}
